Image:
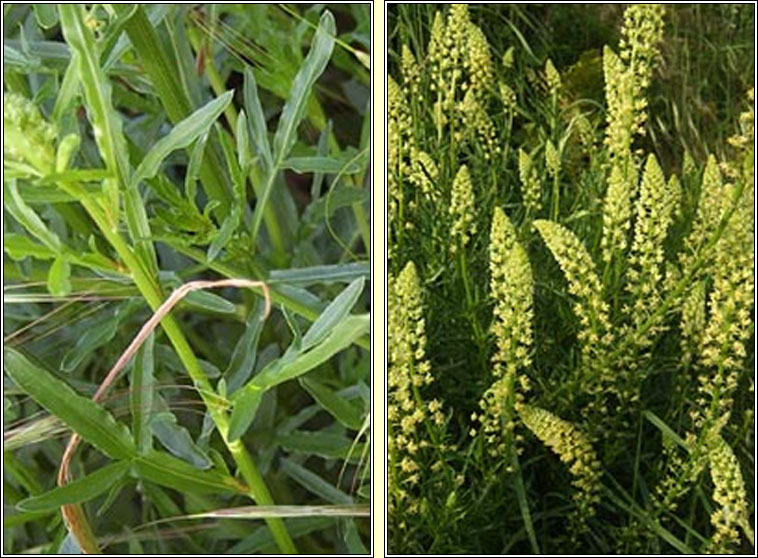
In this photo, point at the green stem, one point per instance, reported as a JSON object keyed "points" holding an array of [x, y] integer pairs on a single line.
{"points": [[469, 297], [152, 294]]}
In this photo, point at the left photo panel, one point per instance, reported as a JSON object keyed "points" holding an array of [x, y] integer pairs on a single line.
{"points": [[187, 278]]}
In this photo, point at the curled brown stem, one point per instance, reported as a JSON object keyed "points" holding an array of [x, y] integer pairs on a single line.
{"points": [[72, 514]]}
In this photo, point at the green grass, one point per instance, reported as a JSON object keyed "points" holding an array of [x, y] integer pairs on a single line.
{"points": [[650, 414], [147, 147]]}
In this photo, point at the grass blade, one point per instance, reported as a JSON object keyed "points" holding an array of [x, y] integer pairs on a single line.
{"points": [[325, 274]]}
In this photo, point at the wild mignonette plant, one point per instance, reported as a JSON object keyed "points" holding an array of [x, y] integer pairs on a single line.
{"points": [[151, 151], [570, 309]]}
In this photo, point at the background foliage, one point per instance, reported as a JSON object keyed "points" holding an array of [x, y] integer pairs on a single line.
{"points": [[536, 144]]}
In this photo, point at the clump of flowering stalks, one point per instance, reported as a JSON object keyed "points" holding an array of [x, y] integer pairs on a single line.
{"points": [[627, 76], [462, 73]]}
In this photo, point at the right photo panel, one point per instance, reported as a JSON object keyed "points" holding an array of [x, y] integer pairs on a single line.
{"points": [[571, 279]]}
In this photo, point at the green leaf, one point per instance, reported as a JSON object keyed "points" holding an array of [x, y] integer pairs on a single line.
{"points": [[231, 156], [177, 440], [160, 65], [323, 444], [314, 483], [59, 278], [243, 144], [19, 246], [341, 337], [77, 175], [193, 167], [92, 339], [209, 301], [88, 419], [80, 490], [345, 413], [245, 407], [166, 470], [224, 235], [26, 216], [141, 389], [182, 135], [256, 120], [245, 351], [322, 150], [97, 91], [313, 66], [337, 310]]}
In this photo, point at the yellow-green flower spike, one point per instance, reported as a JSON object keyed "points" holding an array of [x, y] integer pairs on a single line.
{"points": [[511, 288], [462, 209], [479, 124], [28, 139], [730, 495], [552, 77], [574, 449], [530, 183], [655, 210], [409, 372], [552, 159], [479, 61], [617, 214], [595, 332]]}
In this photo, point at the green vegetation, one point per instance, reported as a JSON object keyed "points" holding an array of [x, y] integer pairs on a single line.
{"points": [[148, 147], [571, 238]]}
